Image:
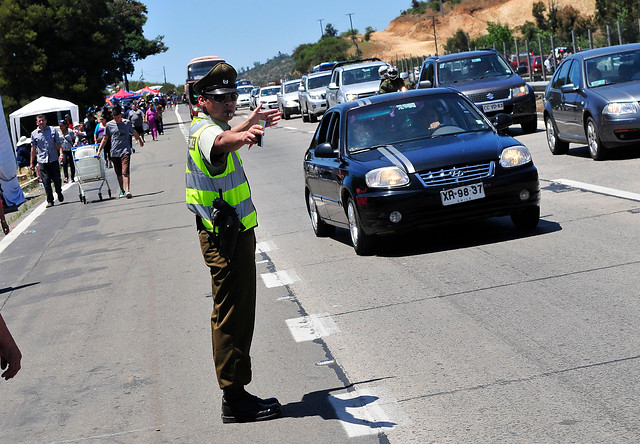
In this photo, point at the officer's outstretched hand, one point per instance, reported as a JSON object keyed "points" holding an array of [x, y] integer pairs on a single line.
{"points": [[269, 116]]}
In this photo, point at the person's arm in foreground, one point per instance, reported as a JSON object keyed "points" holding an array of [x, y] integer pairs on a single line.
{"points": [[10, 355]]}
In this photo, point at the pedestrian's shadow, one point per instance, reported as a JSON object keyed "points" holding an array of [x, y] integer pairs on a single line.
{"points": [[324, 404]]}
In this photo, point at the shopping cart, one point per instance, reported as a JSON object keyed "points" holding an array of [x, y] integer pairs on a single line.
{"points": [[90, 168]]}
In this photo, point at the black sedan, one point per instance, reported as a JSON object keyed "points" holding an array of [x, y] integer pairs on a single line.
{"points": [[411, 159], [593, 99]]}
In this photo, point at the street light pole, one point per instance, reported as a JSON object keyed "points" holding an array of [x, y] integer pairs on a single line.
{"points": [[353, 36], [321, 29]]}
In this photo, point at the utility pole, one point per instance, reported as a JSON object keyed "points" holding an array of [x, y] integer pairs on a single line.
{"points": [[321, 28], [353, 36], [165, 74]]}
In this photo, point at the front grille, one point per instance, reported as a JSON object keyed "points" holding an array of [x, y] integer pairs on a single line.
{"points": [[365, 95], [499, 94], [457, 174]]}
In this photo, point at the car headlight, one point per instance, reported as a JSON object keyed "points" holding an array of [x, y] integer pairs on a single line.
{"points": [[519, 91], [515, 156], [386, 177], [351, 97], [316, 96], [621, 108]]}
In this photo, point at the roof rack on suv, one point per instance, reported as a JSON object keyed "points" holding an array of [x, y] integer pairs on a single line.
{"points": [[348, 62]]}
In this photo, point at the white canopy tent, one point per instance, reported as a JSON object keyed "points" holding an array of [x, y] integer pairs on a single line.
{"points": [[42, 105]]}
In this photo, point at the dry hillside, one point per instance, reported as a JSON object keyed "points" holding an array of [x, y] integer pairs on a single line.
{"points": [[413, 35]]}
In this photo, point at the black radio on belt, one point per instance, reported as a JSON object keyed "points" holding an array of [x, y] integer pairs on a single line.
{"points": [[225, 219]]}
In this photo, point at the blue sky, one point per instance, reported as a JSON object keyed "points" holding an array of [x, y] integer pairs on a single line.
{"points": [[244, 32]]}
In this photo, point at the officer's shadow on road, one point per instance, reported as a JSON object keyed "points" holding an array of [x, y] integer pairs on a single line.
{"points": [[325, 404]]}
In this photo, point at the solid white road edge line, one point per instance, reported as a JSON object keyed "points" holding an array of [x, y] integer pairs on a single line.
{"points": [[22, 226], [598, 189]]}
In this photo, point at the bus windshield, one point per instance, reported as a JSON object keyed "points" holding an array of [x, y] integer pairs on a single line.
{"points": [[198, 68]]}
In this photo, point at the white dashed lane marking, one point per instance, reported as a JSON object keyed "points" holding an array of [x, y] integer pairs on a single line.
{"points": [[279, 278], [309, 328], [598, 189]]}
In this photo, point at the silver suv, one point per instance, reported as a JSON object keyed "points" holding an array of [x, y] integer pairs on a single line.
{"points": [[354, 80], [312, 95], [288, 98]]}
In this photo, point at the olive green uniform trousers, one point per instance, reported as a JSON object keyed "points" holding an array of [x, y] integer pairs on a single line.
{"points": [[233, 286]]}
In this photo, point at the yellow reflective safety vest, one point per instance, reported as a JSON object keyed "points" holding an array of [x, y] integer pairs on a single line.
{"points": [[203, 188]]}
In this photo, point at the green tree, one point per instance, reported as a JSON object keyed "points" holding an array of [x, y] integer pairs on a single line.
{"points": [[328, 49], [538, 12], [529, 30], [457, 43], [497, 34], [624, 11], [329, 31], [367, 33], [69, 49]]}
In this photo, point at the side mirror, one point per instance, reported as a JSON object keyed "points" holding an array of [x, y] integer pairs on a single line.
{"points": [[332, 85], [522, 69], [502, 121], [301, 88], [425, 84], [568, 88], [325, 151]]}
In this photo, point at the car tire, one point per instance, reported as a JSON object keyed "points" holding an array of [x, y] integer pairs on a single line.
{"points": [[556, 146], [305, 115], [530, 126], [320, 227], [313, 118], [286, 115], [596, 150], [362, 242], [526, 219]]}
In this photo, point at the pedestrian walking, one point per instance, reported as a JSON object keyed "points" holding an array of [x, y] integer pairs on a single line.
{"points": [[226, 233], [118, 132], [46, 148], [152, 120], [137, 119], [68, 140]]}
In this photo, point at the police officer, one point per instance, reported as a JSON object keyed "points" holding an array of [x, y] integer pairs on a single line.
{"points": [[219, 195], [392, 82]]}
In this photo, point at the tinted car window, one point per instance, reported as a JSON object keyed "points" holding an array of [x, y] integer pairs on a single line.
{"points": [[320, 81], [574, 73], [476, 67], [291, 87], [360, 75], [390, 123], [614, 68], [561, 76]]}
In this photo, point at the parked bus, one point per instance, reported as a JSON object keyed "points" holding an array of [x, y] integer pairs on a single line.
{"points": [[197, 69]]}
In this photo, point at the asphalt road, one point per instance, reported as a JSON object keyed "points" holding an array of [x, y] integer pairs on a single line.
{"points": [[466, 333]]}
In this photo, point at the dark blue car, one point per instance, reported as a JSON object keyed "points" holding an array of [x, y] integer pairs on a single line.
{"points": [[593, 99], [400, 161]]}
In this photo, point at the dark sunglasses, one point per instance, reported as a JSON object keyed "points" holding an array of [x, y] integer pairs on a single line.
{"points": [[223, 97]]}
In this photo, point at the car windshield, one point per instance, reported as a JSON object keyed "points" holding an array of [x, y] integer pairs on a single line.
{"points": [[425, 117], [269, 91], [360, 75], [613, 68], [245, 89], [320, 81], [291, 87], [472, 68]]}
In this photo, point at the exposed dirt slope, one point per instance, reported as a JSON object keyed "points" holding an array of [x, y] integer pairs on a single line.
{"points": [[413, 35]]}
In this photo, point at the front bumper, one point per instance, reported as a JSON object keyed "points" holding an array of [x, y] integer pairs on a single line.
{"points": [[616, 131], [317, 107], [521, 109], [422, 206]]}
